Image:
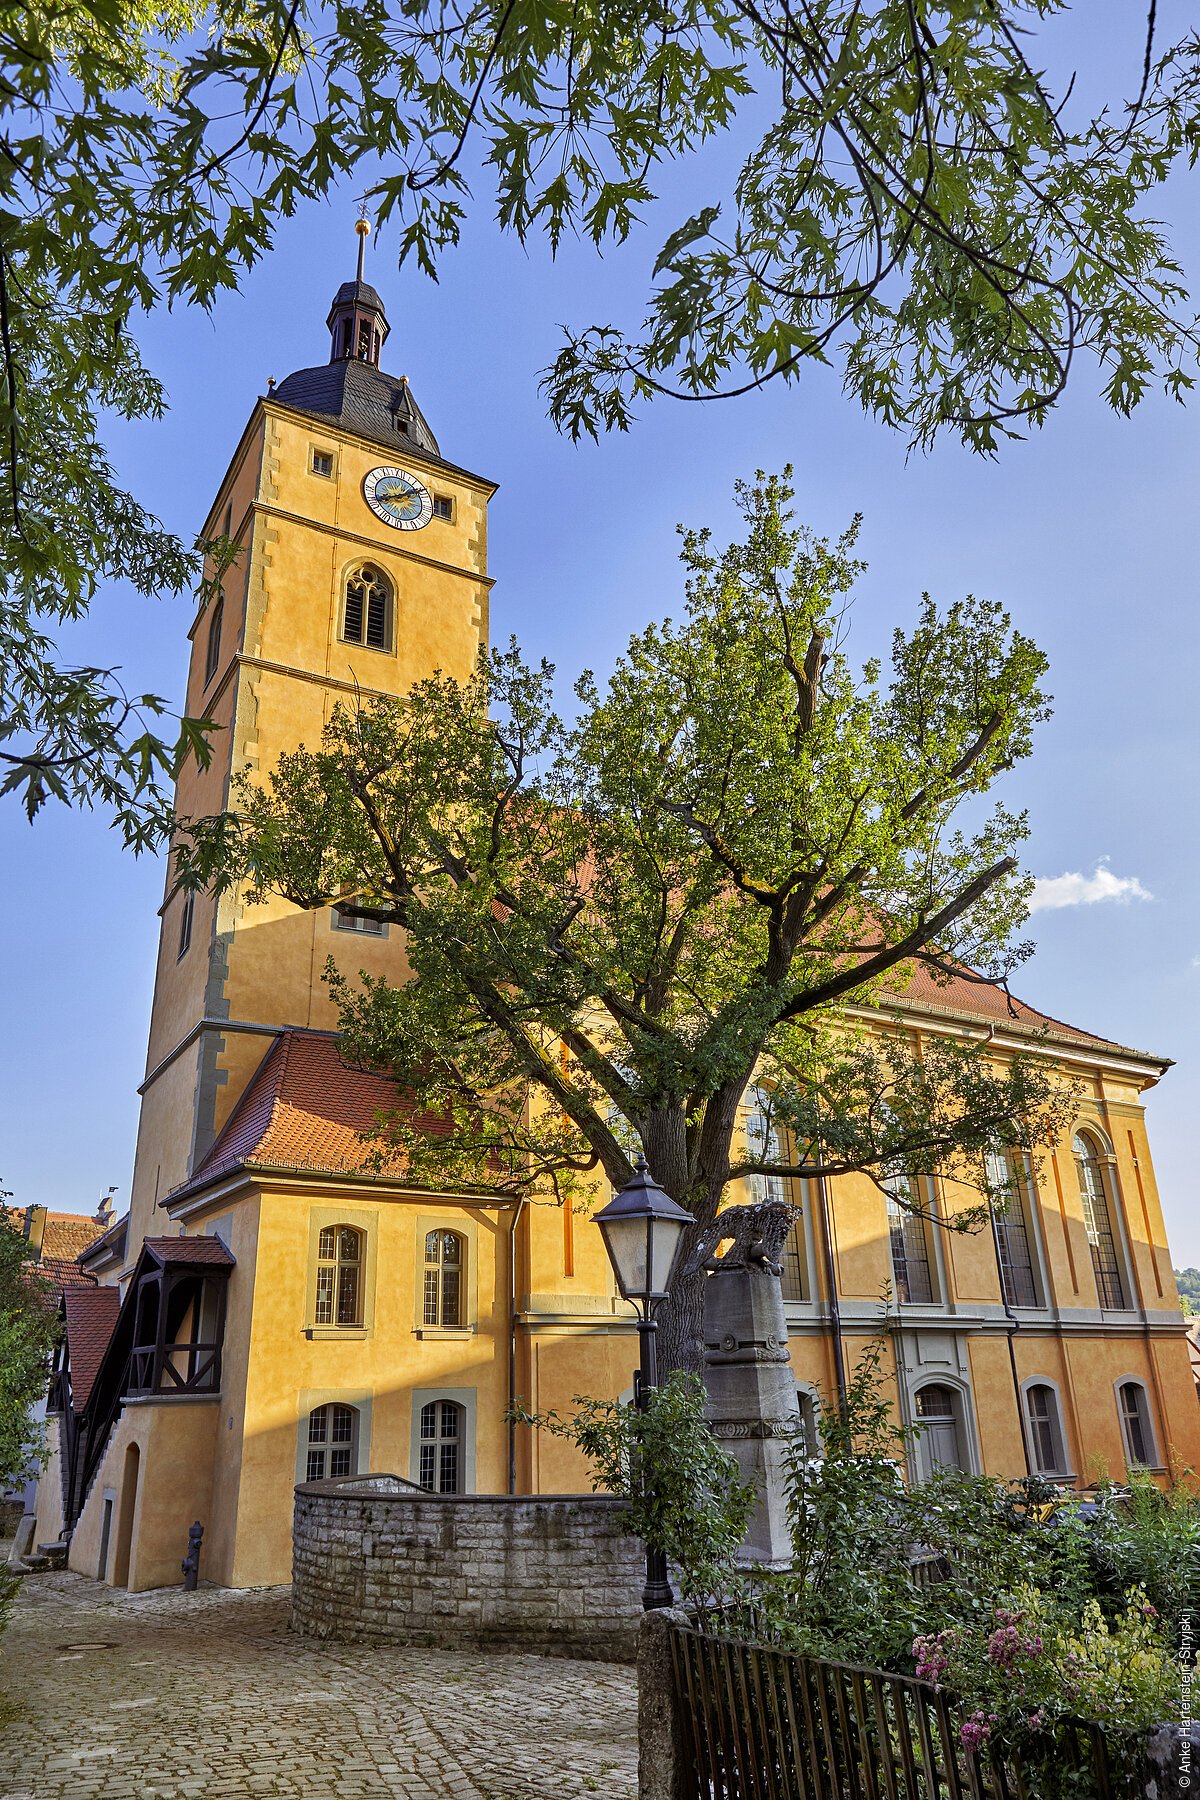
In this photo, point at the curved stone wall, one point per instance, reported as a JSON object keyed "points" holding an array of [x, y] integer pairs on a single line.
{"points": [[377, 1560]]}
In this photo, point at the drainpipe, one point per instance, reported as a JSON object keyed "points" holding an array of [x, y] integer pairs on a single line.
{"points": [[518, 1209], [835, 1316]]}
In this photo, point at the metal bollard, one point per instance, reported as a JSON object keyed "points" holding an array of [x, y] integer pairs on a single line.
{"points": [[191, 1562]]}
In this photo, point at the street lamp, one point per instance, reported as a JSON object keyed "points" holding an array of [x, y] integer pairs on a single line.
{"points": [[642, 1227]]}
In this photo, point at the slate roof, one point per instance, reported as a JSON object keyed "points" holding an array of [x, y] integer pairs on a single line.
{"points": [[91, 1320], [305, 1110], [363, 399]]}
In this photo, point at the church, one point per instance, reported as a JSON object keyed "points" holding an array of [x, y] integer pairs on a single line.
{"points": [[277, 1307]]}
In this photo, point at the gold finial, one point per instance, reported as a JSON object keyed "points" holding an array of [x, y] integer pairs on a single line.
{"points": [[363, 227]]}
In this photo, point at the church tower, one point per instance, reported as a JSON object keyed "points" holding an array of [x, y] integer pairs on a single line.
{"points": [[362, 567]]}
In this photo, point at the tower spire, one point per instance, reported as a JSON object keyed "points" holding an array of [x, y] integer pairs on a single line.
{"points": [[357, 321], [363, 228]]}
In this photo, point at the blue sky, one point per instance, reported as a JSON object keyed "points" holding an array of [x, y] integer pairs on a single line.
{"points": [[1088, 533]]}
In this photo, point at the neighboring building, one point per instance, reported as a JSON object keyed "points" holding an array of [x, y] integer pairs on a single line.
{"points": [[289, 1310], [56, 1242]]}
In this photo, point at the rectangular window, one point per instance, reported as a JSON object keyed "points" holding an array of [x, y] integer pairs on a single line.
{"points": [[322, 463], [348, 1295], [185, 922], [212, 654], [349, 921], [443, 506]]}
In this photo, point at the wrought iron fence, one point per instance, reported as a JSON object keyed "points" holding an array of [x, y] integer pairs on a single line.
{"points": [[760, 1723]]}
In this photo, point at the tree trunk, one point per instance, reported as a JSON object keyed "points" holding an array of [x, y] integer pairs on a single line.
{"points": [[681, 1315]]}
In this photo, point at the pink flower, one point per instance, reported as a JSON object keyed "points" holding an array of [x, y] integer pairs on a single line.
{"points": [[976, 1730], [1036, 1719]]}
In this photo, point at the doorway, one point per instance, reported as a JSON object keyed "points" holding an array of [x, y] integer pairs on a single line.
{"points": [[129, 1487]]}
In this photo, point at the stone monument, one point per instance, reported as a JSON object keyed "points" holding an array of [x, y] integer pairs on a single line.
{"points": [[752, 1403]]}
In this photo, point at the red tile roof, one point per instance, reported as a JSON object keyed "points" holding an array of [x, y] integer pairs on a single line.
{"points": [[67, 1236], [91, 1320], [962, 996], [191, 1251], [306, 1109], [65, 1273]]}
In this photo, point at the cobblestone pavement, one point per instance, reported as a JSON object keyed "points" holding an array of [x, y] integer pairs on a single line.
{"points": [[174, 1696]]}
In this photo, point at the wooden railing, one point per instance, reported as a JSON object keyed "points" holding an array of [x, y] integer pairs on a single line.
{"points": [[152, 1368], [760, 1723]]}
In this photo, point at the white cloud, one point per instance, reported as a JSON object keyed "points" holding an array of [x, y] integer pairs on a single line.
{"points": [[1085, 890]]}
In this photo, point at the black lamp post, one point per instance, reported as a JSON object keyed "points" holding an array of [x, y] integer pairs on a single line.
{"points": [[642, 1227]]}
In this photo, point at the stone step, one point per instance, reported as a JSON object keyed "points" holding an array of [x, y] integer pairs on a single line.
{"points": [[55, 1555]]}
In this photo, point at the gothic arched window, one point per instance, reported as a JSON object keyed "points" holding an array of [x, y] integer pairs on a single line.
{"points": [[367, 609], [212, 653]]}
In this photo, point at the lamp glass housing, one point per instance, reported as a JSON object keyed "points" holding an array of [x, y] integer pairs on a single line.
{"points": [[642, 1227]]}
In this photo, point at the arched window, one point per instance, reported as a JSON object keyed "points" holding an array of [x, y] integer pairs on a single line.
{"points": [[339, 1276], [445, 1266], [212, 654], [1045, 1429], [332, 1442], [367, 610], [1136, 1427], [939, 1410], [908, 1234], [441, 1447], [1097, 1217], [1008, 1191]]}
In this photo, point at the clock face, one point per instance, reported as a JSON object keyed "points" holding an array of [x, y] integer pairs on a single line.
{"points": [[398, 499]]}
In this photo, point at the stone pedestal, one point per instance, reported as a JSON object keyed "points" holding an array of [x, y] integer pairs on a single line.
{"points": [[752, 1402]]}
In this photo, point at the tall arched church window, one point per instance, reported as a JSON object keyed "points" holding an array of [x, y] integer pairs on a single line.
{"points": [[441, 1447], [339, 1276], [445, 1263], [367, 608], [763, 1142], [332, 1442], [212, 653], [908, 1236], [1008, 1193], [1097, 1218]]}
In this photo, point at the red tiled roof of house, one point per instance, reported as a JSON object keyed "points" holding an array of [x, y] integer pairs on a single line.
{"points": [[65, 1273], [190, 1250], [306, 1109], [67, 1235], [91, 1320]]}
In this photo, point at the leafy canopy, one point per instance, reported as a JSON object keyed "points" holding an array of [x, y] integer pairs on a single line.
{"points": [[613, 927], [28, 1328], [920, 206]]}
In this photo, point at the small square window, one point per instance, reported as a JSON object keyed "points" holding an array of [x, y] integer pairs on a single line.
{"points": [[367, 927], [443, 506], [322, 463]]}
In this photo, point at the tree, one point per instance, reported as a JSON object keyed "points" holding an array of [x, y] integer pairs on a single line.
{"points": [[28, 1328], [921, 207], [615, 928]]}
